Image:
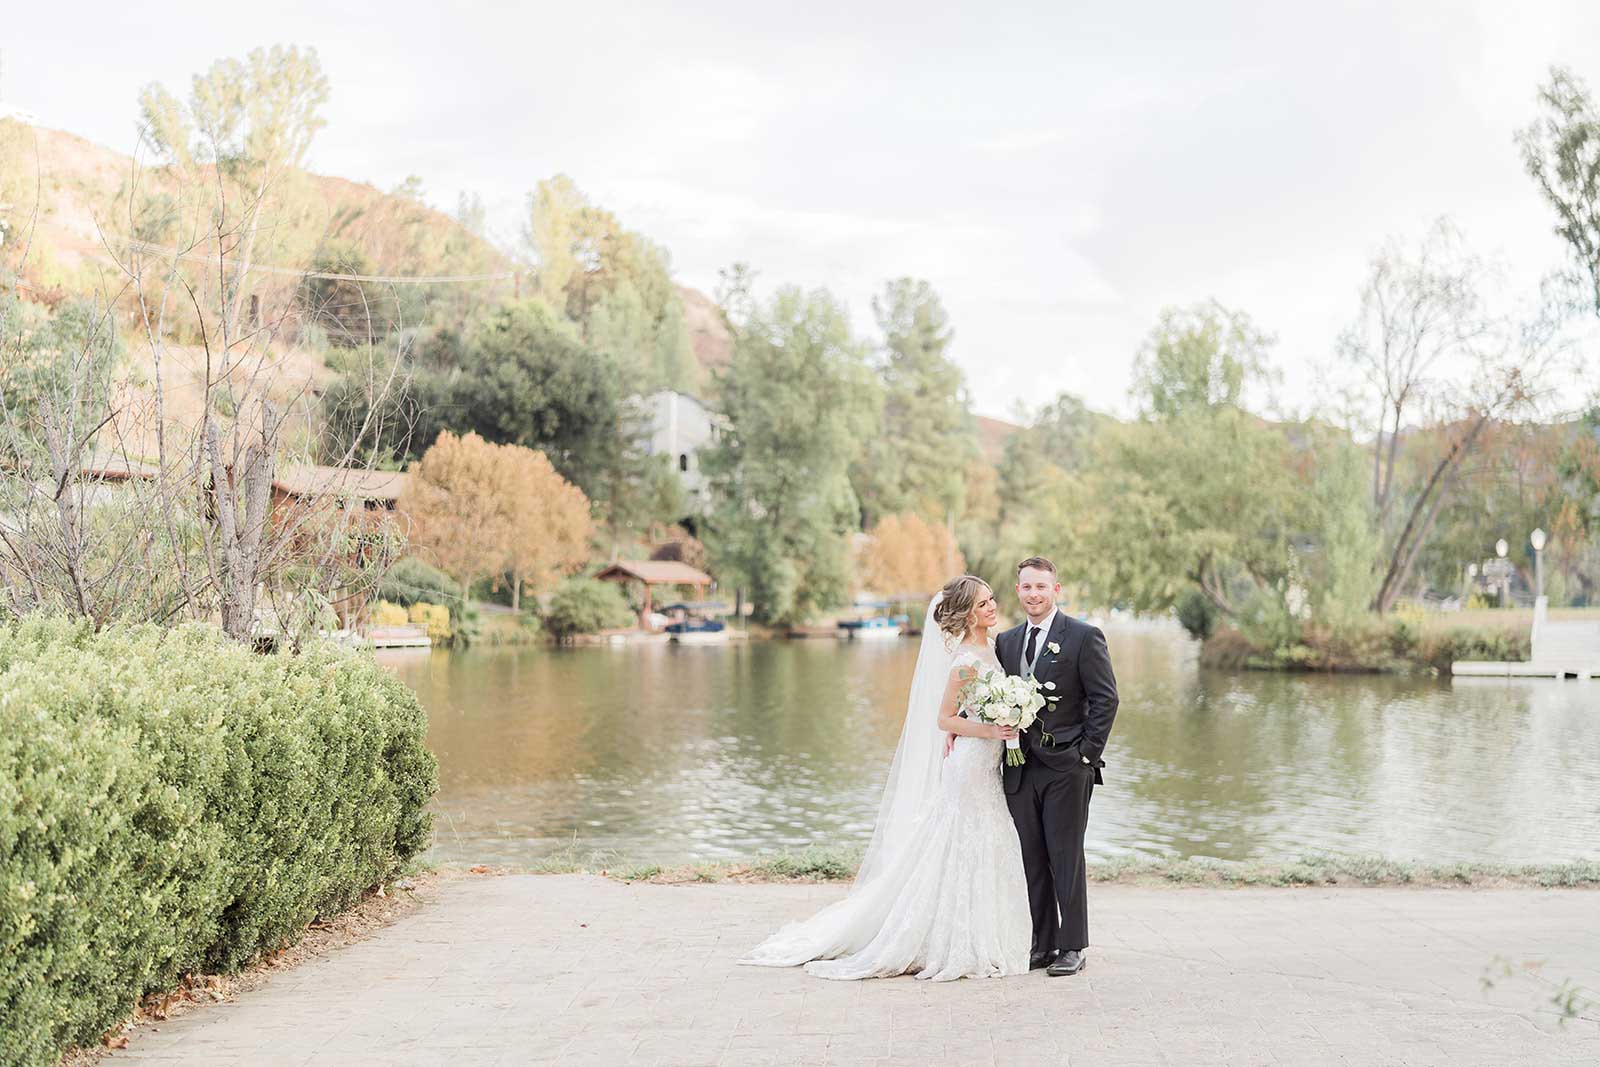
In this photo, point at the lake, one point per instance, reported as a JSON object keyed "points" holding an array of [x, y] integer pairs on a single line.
{"points": [[666, 753]]}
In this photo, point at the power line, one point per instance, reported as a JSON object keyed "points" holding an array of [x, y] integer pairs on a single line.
{"points": [[382, 279], [148, 248]]}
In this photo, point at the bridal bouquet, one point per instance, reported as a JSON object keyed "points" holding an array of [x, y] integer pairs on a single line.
{"points": [[1006, 700]]}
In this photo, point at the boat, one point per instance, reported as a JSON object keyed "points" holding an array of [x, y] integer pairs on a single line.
{"points": [[698, 632], [879, 626]]}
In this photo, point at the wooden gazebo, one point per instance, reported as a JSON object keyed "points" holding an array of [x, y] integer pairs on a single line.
{"points": [[654, 572]]}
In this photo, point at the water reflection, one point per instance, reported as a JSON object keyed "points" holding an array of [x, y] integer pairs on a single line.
{"points": [[672, 753]]}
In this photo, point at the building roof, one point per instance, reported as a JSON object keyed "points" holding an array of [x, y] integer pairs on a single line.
{"points": [[115, 468], [304, 479], [655, 572]]}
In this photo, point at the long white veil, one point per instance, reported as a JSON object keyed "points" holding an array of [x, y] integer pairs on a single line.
{"points": [[909, 797], [913, 780]]}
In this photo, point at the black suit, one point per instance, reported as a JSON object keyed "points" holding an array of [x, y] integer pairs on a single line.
{"points": [[1049, 794]]}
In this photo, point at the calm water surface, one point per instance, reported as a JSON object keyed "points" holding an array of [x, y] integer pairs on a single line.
{"points": [[668, 753]]}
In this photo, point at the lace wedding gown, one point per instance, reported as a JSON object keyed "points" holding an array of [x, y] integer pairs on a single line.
{"points": [[952, 901]]}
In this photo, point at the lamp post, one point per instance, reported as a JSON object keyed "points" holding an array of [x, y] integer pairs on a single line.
{"points": [[1500, 549], [1537, 540]]}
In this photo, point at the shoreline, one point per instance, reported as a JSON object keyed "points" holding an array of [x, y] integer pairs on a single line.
{"points": [[828, 865]]}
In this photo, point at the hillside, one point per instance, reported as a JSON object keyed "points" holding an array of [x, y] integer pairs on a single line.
{"points": [[77, 210], [64, 202], [713, 344], [71, 221]]}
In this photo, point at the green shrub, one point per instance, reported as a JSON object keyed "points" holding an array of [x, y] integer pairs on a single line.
{"points": [[411, 581], [171, 802], [1197, 613], [1499, 646], [584, 606]]}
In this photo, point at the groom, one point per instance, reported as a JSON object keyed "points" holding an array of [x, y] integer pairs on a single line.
{"points": [[1049, 794]]}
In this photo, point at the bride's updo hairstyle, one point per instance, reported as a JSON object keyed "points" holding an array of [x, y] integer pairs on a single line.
{"points": [[960, 600]]}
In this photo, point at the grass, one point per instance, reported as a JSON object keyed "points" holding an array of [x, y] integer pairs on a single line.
{"points": [[820, 864], [1502, 619]]}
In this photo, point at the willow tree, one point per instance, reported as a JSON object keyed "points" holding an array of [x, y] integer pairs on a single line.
{"points": [[1561, 152]]}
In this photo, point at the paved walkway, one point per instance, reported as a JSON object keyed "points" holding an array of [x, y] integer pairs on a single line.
{"points": [[574, 969]]}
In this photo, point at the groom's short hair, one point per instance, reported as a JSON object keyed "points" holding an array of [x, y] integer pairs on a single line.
{"points": [[1038, 563]]}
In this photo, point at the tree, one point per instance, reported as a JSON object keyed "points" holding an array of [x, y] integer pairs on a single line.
{"points": [[1418, 309], [549, 523], [349, 312], [615, 284], [481, 509], [526, 378], [250, 122], [779, 473], [1212, 500], [1428, 352], [1561, 152], [908, 556], [457, 510], [917, 462], [1197, 358], [1061, 435]]}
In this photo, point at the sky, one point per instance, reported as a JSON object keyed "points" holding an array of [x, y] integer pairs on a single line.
{"points": [[1059, 172]]}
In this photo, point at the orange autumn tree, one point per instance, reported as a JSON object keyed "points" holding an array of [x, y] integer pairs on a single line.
{"points": [[550, 523], [905, 554], [483, 509]]}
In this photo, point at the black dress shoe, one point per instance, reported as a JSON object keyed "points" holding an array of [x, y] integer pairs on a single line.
{"points": [[1069, 962], [1042, 959]]}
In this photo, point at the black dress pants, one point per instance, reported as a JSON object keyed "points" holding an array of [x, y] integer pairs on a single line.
{"points": [[1051, 812]]}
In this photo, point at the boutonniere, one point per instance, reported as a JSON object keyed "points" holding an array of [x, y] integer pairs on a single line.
{"points": [[1054, 648]]}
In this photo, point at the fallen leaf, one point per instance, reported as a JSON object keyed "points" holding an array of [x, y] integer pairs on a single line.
{"points": [[117, 1042]]}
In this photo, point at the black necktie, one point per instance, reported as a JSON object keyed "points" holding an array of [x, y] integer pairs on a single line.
{"points": [[1033, 646]]}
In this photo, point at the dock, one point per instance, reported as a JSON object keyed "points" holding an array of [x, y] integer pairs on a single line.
{"points": [[1559, 650]]}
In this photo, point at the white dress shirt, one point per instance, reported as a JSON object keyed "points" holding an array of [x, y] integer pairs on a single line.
{"points": [[1043, 626]]}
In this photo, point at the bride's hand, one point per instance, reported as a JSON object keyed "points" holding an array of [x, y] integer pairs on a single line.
{"points": [[1002, 733]]}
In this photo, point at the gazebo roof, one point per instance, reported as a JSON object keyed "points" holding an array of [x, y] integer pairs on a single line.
{"points": [[655, 572]]}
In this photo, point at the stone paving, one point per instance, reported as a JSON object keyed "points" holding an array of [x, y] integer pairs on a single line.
{"points": [[528, 969]]}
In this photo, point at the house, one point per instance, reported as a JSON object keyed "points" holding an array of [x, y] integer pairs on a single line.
{"points": [[375, 490], [680, 427]]}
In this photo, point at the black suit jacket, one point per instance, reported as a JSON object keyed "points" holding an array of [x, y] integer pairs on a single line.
{"points": [[1082, 705]]}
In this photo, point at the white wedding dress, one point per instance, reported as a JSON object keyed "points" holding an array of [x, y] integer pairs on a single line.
{"points": [[941, 893]]}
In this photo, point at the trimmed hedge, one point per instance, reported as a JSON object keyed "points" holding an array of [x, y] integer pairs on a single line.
{"points": [[172, 802]]}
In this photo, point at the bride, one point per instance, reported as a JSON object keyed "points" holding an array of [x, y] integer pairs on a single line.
{"points": [[941, 891]]}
